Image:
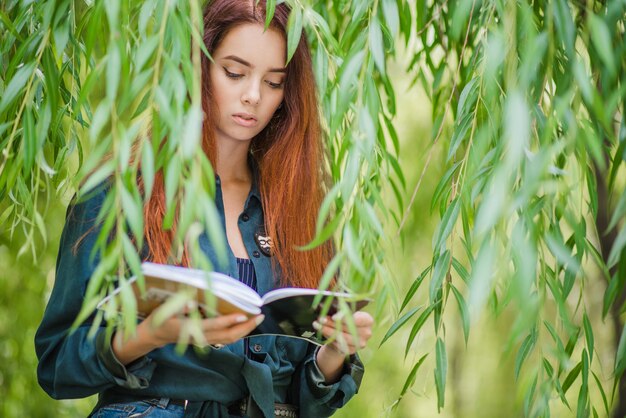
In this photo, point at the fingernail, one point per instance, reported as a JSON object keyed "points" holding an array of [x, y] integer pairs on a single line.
{"points": [[336, 317], [323, 320], [259, 319], [241, 318], [317, 325]]}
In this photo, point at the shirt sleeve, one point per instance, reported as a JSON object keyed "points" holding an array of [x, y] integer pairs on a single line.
{"points": [[318, 399], [73, 364]]}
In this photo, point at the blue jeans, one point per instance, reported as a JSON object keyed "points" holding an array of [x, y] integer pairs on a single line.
{"points": [[152, 408]]}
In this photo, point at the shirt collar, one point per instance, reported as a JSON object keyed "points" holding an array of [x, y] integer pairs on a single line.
{"points": [[254, 190]]}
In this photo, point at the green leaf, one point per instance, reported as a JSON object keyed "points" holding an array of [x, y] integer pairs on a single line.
{"points": [[619, 213], [352, 244], [463, 311], [617, 247], [441, 370], [588, 335], [481, 279], [190, 138], [61, 35], [601, 38], [325, 32], [443, 185], [97, 177], [270, 8], [133, 212], [459, 134], [444, 229], [30, 146], [144, 52], [527, 346], [112, 9], [147, 169], [16, 85], [146, 15], [390, 11], [610, 294], [113, 69], [416, 327], [620, 355], [571, 376], [562, 252], [460, 269], [467, 98], [323, 235], [442, 267], [174, 305], [8, 23], [294, 31], [377, 47], [410, 380], [565, 27], [414, 287], [604, 399], [399, 323], [99, 119], [350, 70]]}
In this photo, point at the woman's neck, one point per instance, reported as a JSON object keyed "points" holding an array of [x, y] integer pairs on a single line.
{"points": [[232, 162]]}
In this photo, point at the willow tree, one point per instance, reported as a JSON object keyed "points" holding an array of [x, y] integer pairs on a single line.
{"points": [[528, 106]]}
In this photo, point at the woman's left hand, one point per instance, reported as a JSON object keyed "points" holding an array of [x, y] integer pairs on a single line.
{"points": [[331, 357], [344, 341]]}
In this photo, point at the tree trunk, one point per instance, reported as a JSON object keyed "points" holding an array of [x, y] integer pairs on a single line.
{"points": [[607, 239]]}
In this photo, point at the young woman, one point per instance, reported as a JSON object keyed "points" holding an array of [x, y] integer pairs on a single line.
{"points": [[262, 135]]}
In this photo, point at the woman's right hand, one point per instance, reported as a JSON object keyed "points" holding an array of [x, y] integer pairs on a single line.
{"points": [[219, 330]]}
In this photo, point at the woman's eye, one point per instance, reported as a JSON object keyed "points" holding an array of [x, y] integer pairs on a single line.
{"points": [[274, 85], [232, 75]]}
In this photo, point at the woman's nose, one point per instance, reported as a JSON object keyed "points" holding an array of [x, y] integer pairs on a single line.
{"points": [[252, 94]]}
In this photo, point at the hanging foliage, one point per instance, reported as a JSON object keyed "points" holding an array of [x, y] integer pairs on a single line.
{"points": [[528, 104]]}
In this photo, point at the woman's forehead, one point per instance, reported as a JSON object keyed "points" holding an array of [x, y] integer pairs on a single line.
{"points": [[253, 46]]}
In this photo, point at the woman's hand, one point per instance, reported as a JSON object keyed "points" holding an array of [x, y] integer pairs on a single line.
{"points": [[330, 357], [220, 330]]}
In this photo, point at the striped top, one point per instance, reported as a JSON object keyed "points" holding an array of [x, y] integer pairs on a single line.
{"points": [[247, 275]]}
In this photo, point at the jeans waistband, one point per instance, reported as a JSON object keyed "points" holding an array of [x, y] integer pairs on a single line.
{"points": [[107, 398]]}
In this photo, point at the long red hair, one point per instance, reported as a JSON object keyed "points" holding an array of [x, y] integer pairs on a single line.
{"points": [[289, 154]]}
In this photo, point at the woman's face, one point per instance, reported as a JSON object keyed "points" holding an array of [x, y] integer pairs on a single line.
{"points": [[247, 79]]}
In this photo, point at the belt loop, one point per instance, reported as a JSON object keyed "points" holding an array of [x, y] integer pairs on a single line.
{"points": [[163, 403]]}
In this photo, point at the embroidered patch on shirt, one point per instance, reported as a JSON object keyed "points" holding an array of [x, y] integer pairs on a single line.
{"points": [[264, 242]]}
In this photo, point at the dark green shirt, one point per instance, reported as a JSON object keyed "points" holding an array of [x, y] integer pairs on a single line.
{"points": [[277, 369]]}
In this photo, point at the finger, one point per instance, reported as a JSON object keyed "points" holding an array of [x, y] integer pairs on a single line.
{"points": [[330, 332], [363, 325], [231, 334], [224, 321], [358, 342], [359, 319], [363, 319]]}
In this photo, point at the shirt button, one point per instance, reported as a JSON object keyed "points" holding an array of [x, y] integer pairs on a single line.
{"points": [[256, 254], [257, 348], [245, 217]]}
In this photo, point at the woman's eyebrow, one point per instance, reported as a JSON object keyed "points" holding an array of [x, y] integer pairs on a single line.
{"points": [[247, 64]]}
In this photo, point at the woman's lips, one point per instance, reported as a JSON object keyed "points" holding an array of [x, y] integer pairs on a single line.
{"points": [[244, 119]]}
